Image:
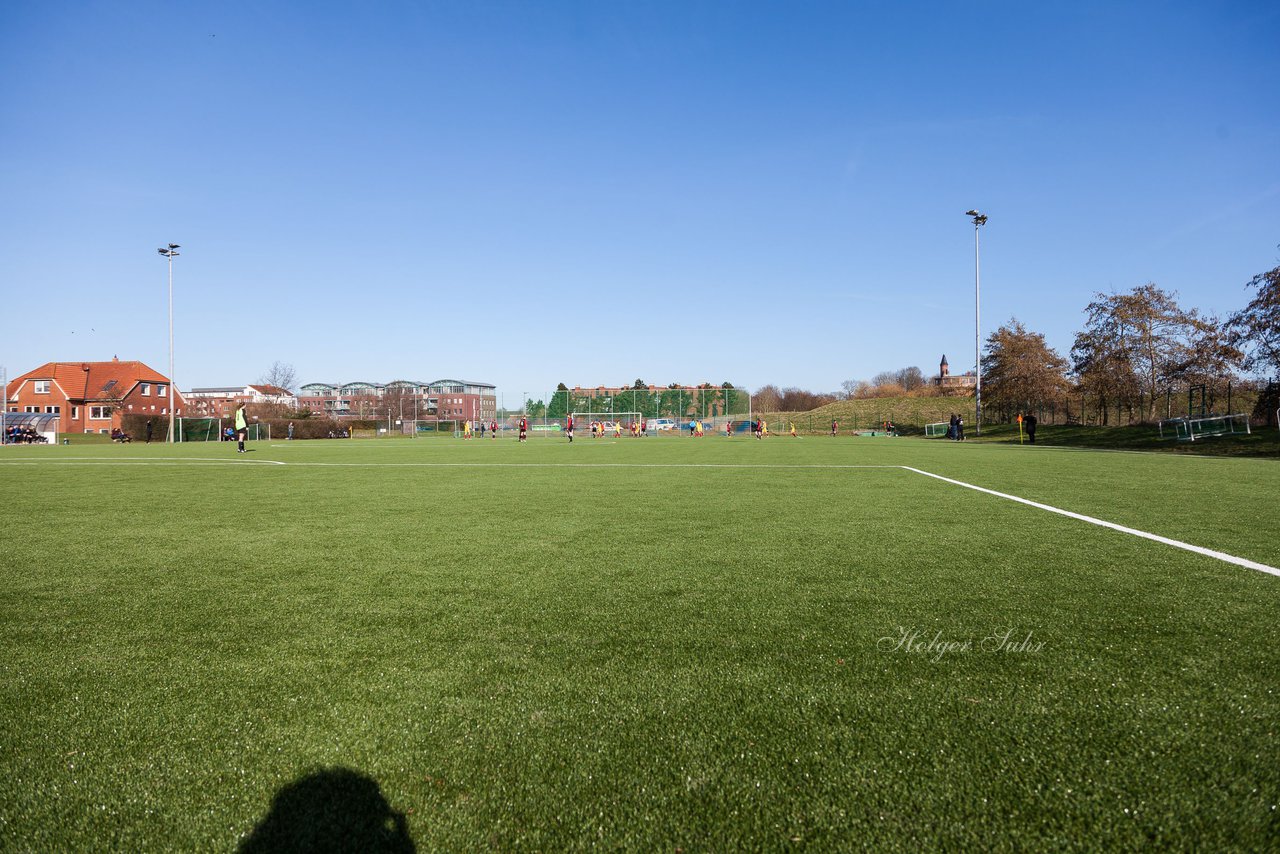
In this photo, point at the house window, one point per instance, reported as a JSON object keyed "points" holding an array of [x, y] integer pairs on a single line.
{"points": [[32, 409], [99, 413], [42, 386], [53, 410], [144, 389], [75, 413], [160, 390]]}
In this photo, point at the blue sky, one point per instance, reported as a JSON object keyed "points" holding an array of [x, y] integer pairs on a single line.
{"points": [[527, 193]]}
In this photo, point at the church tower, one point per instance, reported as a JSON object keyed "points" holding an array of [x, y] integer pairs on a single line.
{"points": [[944, 370]]}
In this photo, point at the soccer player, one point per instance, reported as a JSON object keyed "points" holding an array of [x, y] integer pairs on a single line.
{"points": [[617, 429], [493, 429], [644, 428], [569, 428], [242, 428], [524, 428], [759, 427], [728, 429], [466, 430], [793, 429], [835, 428]]}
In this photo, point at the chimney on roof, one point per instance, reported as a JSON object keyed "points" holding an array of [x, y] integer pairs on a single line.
{"points": [[115, 358]]}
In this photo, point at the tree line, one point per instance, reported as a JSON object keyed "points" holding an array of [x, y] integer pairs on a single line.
{"points": [[1135, 349]]}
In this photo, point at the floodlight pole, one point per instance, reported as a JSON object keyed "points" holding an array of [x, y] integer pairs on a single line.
{"points": [[979, 220], [169, 253]]}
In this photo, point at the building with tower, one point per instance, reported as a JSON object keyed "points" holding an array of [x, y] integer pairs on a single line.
{"points": [[963, 384]]}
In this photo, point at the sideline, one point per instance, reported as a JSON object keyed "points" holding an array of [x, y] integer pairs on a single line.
{"points": [[1177, 544], [150, 461]]}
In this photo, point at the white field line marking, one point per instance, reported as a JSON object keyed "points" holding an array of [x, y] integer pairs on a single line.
{"points": [[1177, 544], [180, 460], [151, 461], [587, 465]]}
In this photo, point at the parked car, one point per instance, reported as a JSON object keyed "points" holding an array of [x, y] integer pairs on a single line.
{"points": [[658, 424]]}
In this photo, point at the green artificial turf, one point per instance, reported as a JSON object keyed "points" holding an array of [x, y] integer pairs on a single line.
{"points": [[698, 644], [1263, 442]]}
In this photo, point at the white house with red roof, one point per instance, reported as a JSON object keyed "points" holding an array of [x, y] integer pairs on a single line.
{"points": [[221, 401], [91, 397]]}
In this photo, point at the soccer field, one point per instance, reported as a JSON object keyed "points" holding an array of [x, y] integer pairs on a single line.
{"points": [[670, 643]]}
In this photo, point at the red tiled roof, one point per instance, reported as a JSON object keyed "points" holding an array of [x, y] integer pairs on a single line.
{"points": [[88, 380], [270, 389]]}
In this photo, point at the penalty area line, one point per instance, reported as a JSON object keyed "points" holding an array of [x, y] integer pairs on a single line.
{"points": [[1177, 544], [153, 461], [583, 465]]}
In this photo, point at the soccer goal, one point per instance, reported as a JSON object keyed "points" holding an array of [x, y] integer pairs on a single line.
{"points": [[1192, 429], [582, 421], [214, 430], [937, 430]]}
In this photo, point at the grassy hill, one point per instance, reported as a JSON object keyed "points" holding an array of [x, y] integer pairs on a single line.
{"points": [[910, 413]]}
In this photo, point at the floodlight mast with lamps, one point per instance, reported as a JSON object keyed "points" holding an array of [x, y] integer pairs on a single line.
{"points": [[171, 252], [979, 220]]}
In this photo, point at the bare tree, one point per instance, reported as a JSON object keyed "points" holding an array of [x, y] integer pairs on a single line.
{"points": [[281, 375], [1133, 344], [911, 378], [767, 398], [901, 380]]}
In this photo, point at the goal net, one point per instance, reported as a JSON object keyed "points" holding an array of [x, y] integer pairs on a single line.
{"points": [[582, 421], [936, 430], [215, 430], [1192, 429]]}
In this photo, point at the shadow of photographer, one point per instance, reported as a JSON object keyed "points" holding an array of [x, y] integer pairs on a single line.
{"points": [[333, 809]]}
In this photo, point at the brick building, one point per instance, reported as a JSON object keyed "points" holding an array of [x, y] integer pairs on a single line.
{"points": [[91, 397], [221, 402], [961, 384], [442, 399]]}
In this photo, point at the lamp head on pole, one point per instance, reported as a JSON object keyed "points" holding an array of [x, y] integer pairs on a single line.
{"points": [[978, 218], [170, 252]]}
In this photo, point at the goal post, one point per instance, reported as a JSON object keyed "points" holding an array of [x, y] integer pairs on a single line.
{"points": [[582, 421], [937, 430], [1193, 429]]}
